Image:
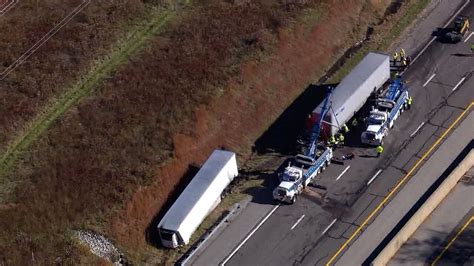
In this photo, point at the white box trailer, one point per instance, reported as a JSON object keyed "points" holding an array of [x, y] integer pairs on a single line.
{"points": [[353, 91], [198, 199]]}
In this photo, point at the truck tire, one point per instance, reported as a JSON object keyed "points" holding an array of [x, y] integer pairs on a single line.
{"points": [[328, 162], [293, 200]]}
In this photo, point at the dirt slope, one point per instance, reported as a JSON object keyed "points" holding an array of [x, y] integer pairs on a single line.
{"points": [[217, 78]]}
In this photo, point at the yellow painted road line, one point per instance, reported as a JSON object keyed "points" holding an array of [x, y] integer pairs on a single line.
{"points": [[399, 184], [452, 240]]}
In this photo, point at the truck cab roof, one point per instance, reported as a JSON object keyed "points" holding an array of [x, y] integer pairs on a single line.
{"points": [[373, 128], [377, 118], [286, 185], [291, 174], [385, 105]]}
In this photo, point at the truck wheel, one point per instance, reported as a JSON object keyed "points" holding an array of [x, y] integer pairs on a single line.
{"points": [[328, 162], [293, 200]]}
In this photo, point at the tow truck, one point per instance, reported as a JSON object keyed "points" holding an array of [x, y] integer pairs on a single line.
{"points": [[305, 167], [383, 115]]}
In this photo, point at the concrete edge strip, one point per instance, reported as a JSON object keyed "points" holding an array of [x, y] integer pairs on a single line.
{"points": [[425, 210]]}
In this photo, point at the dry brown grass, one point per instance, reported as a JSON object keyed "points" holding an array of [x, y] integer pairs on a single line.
{"points": [[60, 61]]}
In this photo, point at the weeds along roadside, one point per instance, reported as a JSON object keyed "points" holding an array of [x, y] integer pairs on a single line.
{"points": [[47, 63], [123, 50], [44, 154], [385, 34]]}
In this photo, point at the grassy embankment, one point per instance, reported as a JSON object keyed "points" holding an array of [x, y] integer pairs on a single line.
{"points": [[45, 50], [122, 51], [57, 158], [134, 39]]}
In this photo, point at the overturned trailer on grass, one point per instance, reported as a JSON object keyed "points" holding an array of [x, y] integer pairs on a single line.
{"points": [[353, 91], [198, 199]]}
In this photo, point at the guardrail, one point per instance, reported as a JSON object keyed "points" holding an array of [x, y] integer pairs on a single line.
{"points": [[206, 236]]}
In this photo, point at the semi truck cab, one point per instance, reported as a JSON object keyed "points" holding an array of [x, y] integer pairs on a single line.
{"points": [[376, 128], [289, 180], [296, 177], [169, 238], [287, 191]]}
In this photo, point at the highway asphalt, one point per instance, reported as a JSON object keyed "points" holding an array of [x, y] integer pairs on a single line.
{"points": [[392, 215], [429, 240], [461, 250], [439, 97]]}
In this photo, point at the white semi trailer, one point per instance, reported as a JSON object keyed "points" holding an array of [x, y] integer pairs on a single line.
{"points": [[353, 91], [198, 199]]}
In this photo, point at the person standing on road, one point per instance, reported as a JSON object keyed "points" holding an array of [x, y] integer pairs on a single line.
{"points": [[402, 53], [409, 102], [379, 150], [345, 129], [332, 140], [340, 138]]}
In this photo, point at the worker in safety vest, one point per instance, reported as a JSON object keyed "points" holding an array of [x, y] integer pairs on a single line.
{"points": [[409, 102], [402, 53], [354, 122], [332, 140], [395, 56], [340, 138], [344, 128], [336, 141], [379, 150]]}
